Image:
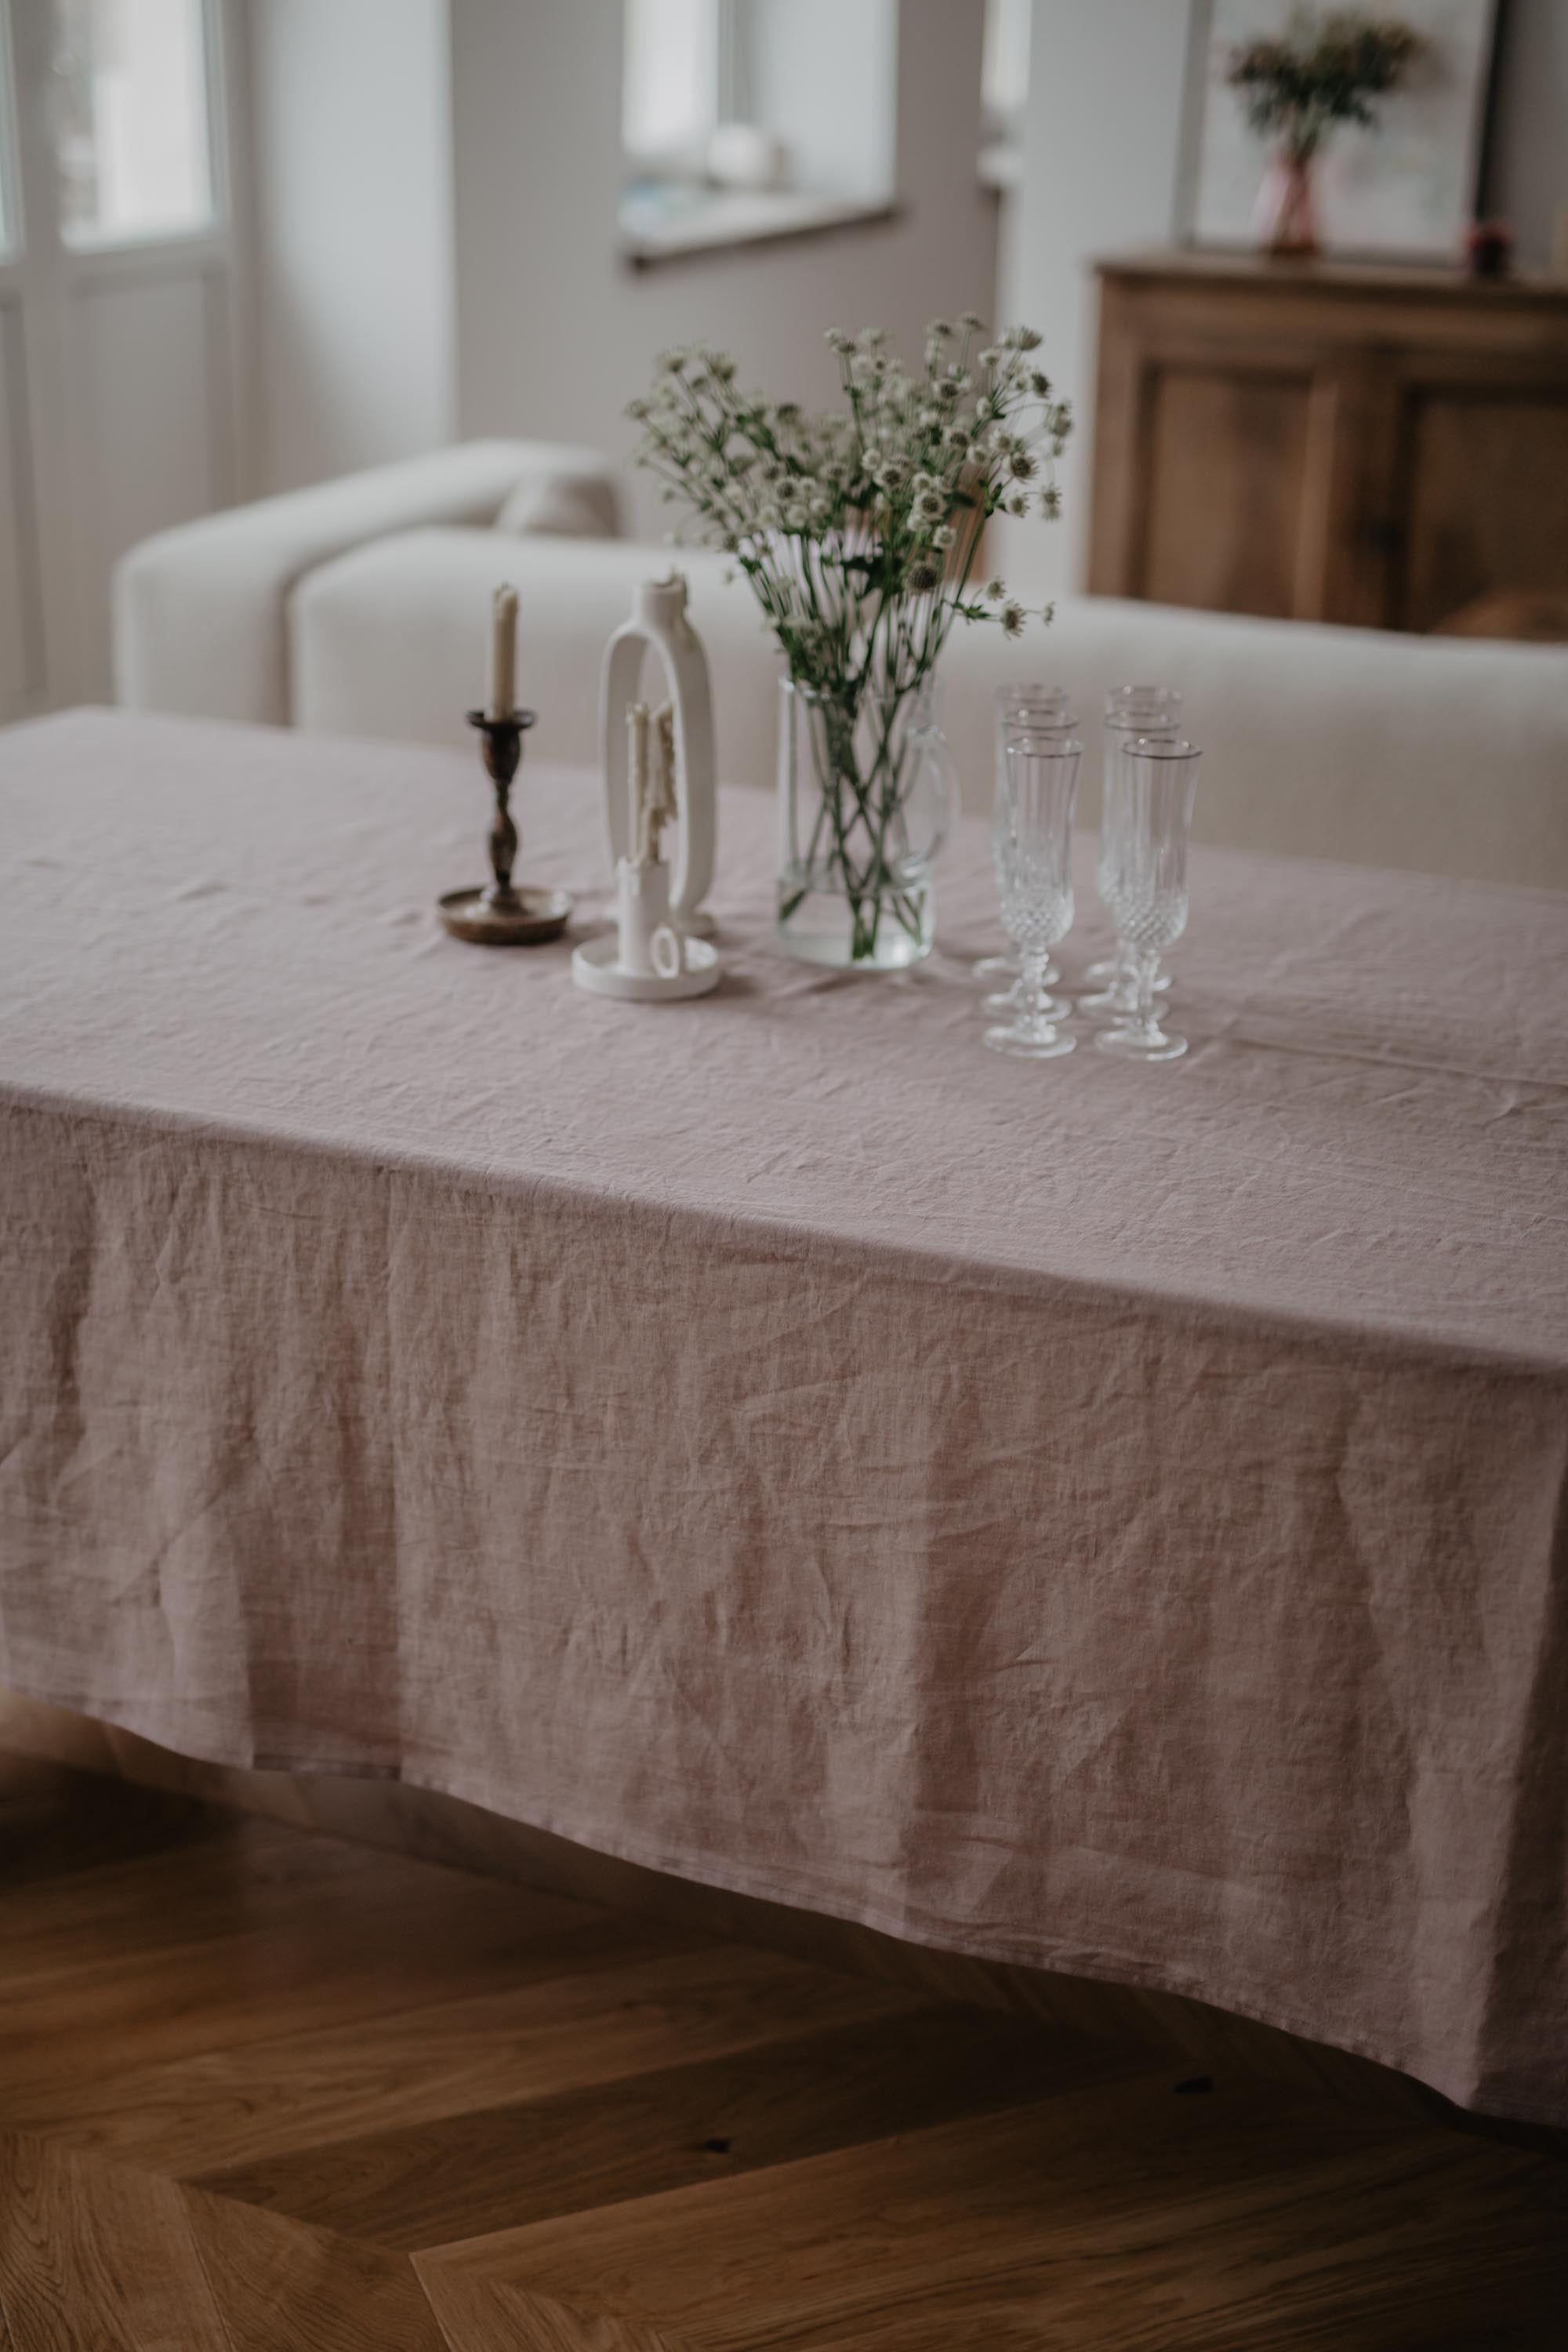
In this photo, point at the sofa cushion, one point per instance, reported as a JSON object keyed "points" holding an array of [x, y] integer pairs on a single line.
{"points": [[563, 504], [1442, 756]]}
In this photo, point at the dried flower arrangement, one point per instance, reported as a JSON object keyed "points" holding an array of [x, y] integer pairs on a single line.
{"points": [[1323, 69], [858, 529]]}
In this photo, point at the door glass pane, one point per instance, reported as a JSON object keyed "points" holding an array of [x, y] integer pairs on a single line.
{"points": [[1004, 73], [131, 119], [670, 93]]}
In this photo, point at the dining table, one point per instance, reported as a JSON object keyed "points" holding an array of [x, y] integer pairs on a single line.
{"points": [[1106, 1517]]}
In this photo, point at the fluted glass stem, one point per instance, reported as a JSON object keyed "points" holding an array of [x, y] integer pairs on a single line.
{"points": [[1145, 970]]}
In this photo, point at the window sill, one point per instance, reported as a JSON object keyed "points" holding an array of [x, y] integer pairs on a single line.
{"points": [[721, 221]]}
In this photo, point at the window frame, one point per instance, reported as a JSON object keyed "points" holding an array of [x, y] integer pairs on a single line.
{"points": [[216, 224], [704, 215]]}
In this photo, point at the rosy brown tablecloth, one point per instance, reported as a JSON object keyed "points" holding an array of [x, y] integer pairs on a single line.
{"points": [[1105, 1517]]}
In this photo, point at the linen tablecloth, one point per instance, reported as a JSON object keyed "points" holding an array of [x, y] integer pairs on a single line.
{"points": [[1099, 1516]]}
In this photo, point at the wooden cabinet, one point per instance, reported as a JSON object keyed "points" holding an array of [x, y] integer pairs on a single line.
{"points": [[1327, 442]]}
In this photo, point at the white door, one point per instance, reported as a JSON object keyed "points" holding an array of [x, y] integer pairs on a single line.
{"points": [[119, 374]]}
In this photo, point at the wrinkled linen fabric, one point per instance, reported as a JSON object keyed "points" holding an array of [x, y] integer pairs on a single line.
{"points": [[1104, 1518]]}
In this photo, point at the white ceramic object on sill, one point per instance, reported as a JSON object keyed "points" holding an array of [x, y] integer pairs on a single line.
{"points": [[659, 626], [744, 155]]}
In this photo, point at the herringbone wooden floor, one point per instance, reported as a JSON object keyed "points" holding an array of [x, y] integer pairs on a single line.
{"points": [[260, 2090]]}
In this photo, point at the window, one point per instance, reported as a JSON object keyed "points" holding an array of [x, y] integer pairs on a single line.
{"points": [[732, 129], [131, 119], [1005, 76], [1005, 89], [670, 99]]}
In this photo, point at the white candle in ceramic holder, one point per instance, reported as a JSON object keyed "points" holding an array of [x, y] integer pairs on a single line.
{"points": [[645, 959], [648, 957], [659, 631], [650, 945]]}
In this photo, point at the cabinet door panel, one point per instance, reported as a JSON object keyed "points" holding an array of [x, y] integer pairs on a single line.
{"points": [[1227, 461], [1487, 498]]}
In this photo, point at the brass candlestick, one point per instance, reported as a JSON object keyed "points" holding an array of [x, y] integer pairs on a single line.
{"points": [[500, 916]]}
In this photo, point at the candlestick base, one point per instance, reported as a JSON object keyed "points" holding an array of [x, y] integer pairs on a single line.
{"points": [[496, 917], [596, 966], [501, 914]]}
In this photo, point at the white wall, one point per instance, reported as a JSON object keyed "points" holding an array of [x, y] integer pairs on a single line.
{"points": [[436, 249], [352, 262], [556, 333], [1100, 148]]}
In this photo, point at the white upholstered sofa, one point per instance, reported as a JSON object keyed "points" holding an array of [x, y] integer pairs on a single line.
{"points": [[360, 608]]}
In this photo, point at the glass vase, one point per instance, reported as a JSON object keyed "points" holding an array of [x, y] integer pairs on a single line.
{"points": [[1286, 214], [868, 792]]}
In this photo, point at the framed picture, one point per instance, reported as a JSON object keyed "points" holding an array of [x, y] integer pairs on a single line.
{"points": [[1403, 191]]}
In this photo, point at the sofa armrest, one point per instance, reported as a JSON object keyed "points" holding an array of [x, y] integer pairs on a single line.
{"points": [[200, 613]]}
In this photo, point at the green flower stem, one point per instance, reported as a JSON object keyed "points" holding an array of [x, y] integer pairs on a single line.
{"points": [[879, 795]]}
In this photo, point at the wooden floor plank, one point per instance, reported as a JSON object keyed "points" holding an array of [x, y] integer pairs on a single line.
{"points": [[270, 2094], [1084, 2186], [477, 2316], [95, 2256], [991, 2188], [366, 1956], [54, 1820], [586, 2149], [1342, 2256], [632, 2004], [282, 2287], [253, 1875]]}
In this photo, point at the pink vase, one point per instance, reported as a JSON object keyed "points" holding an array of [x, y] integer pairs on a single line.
{"points": [[1287, 217]]}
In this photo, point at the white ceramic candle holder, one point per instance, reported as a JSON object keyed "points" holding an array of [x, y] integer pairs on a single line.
{"points": [[646, 958], [659, 626]]}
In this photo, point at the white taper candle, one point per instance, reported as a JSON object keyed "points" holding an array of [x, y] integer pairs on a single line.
{"points": [[502, 700], [637, 779]]}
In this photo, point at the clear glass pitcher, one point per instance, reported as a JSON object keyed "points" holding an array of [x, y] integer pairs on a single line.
{"points": [[868, 794]]}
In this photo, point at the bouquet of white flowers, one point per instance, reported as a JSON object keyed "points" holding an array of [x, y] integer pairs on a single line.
{"points": [[859, 530]]}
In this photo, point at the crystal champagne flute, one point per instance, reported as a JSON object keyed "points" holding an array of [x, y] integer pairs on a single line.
{"points": [[1031, 843], [1156, 781], [1020, 709], [1130, 712]]}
